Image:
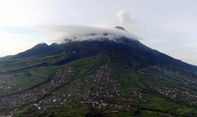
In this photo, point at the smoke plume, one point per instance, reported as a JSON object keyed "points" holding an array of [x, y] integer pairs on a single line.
{"points": [[126, 21]]}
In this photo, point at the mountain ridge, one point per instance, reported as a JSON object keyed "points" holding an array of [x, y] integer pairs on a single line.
{"points": [[44, 49]]}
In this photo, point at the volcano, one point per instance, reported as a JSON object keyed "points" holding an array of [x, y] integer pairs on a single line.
{"points": [[103, 75]]}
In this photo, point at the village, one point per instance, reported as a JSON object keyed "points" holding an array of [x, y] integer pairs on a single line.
{"points": [[99, 90], [175, 93], [34, 94]]}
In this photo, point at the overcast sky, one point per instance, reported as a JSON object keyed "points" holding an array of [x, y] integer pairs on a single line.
{"points": [[166, 25]]}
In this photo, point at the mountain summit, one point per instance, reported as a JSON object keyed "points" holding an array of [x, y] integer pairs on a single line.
{"points": [[106, 76], [120, 28]]}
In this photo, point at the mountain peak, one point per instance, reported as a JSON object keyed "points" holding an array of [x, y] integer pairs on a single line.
{"points": [[120, 28], [41, 45], [37, 50]]}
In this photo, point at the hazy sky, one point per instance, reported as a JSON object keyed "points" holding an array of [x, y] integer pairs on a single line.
{"points": [[166, 25]]}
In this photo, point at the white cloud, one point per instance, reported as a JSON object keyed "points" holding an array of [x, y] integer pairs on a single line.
{"points": [[58, 34]]}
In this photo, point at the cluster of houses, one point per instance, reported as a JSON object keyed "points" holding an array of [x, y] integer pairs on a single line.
{"points": [[32, 95], [99, 90], [175, 93], [7, 83]]}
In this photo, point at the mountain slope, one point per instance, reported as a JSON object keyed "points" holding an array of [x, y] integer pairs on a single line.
{"points": [[120, 77], [123, 47]]}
